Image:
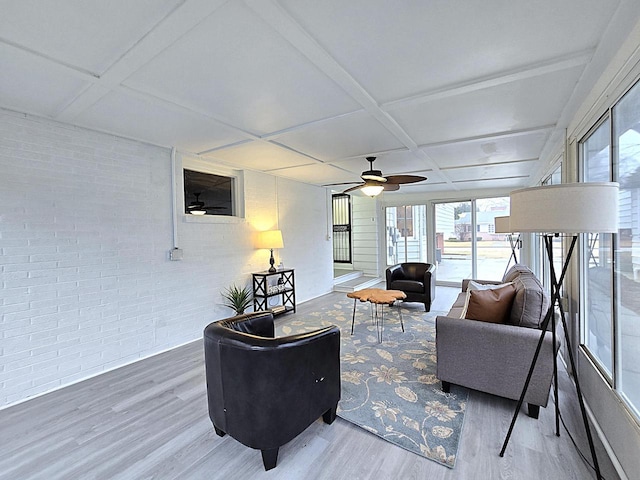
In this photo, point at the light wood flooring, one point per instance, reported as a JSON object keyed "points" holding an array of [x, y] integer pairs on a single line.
{"points": [[149, 420]]}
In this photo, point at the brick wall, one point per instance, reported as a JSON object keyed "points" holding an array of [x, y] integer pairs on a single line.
{"points": [[85, 230]]}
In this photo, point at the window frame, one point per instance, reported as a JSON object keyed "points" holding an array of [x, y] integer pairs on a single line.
{"points": [[237, 186]]}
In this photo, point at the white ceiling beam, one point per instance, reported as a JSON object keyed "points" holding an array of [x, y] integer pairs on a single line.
{"points": [[491, 136], [49, 62], [490, 164], [529, 71], [514, 177], [166, 32]]}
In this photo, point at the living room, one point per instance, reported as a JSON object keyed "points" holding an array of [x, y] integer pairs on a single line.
{"points": [[103, 107]]}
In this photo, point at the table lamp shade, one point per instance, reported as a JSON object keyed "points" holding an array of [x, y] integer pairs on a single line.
{"points": [[565, 208], [502, 225], [269, 239]]}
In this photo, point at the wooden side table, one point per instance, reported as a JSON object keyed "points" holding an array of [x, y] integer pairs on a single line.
{"points": [[379, 298]]}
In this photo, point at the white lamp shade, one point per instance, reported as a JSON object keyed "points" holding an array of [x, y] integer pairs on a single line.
{"points": [[565, 208], [269, 239], [502, 225]]}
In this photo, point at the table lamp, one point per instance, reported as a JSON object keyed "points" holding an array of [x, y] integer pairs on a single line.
{"points": [[270, 239]]}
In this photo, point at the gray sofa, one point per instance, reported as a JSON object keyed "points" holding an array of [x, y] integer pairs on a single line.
{"points": [[495, 358]]}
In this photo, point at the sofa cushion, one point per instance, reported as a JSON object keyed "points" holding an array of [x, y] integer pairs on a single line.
{"points": [[408, 286], [531, 302], [491, 305]]}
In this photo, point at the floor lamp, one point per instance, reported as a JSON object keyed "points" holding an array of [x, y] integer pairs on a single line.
{"points": [[568, 210], [503, 225]]}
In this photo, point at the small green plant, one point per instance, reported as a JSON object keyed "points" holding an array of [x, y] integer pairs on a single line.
{"points": [[237, 298]]}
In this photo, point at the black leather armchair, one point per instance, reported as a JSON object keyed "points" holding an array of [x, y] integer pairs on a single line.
{"points": [[416, 280], [264, 391]]}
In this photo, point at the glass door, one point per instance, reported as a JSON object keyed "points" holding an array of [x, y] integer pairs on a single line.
{"points": [[406, 228], [454, 241], [493, 250]]}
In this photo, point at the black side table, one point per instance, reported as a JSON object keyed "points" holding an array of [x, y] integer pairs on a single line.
{"points": [[268, 285]]}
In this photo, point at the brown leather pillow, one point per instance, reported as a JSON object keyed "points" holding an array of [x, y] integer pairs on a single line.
{"points": [[493, 306]]}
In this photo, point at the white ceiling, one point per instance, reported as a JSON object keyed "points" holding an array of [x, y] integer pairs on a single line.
{"points": [[467, 93]]}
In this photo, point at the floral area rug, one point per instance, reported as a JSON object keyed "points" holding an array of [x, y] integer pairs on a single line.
{"points": [[390, 388]]}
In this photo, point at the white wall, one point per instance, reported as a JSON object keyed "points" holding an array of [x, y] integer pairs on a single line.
{"points": [[85, 231], [365, 237]]}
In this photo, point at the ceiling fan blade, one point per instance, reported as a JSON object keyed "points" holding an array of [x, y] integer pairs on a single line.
{"points": [[360, 185], [342, 183], [400, 179], [391, 187]]}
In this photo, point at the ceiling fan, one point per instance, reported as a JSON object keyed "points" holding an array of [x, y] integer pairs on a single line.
{"points": [[374, 182], [197, 207]]}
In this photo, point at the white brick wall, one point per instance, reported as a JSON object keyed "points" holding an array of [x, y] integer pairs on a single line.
{"points": [[85, 230]]}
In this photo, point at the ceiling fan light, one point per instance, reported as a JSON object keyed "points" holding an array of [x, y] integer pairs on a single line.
{"points": [[372, 190], [198, 212]]}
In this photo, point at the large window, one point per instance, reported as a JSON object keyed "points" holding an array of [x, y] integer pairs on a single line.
{"points": [[597, 261], [626, 143], [611, 317]]}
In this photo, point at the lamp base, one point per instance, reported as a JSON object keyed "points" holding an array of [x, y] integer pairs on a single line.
{"points": [[272, 269]]}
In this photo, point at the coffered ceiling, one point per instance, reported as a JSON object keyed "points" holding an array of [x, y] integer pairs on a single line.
{"points": [[470, 94]]}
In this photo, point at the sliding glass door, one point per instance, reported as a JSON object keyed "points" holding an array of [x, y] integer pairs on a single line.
{"points": [[493, 250], [467, 245], [454, 241]]}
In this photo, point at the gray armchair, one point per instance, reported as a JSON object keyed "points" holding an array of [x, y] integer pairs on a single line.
{"points": [[416, 280]]}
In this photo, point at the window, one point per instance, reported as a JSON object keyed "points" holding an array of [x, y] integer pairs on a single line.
{"points": [[597, 260], [405, 221], [626, 160], [207, 194], [611, 263], [554, 179]]}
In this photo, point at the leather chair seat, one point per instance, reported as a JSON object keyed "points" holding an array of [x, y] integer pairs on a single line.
{"points": [[408, 286]]}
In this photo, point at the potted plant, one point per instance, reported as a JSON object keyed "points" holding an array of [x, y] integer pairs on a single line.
{"points": [[237, 298]]}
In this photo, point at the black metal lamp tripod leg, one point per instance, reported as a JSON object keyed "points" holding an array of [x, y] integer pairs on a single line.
{"points": [[514, 244]]}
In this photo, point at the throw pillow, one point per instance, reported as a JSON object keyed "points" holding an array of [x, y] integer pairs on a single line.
{"points": [[479, 286], [493, 306]]}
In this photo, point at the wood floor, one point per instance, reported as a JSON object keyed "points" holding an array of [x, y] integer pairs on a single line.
{"points": [[149, 420]]}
